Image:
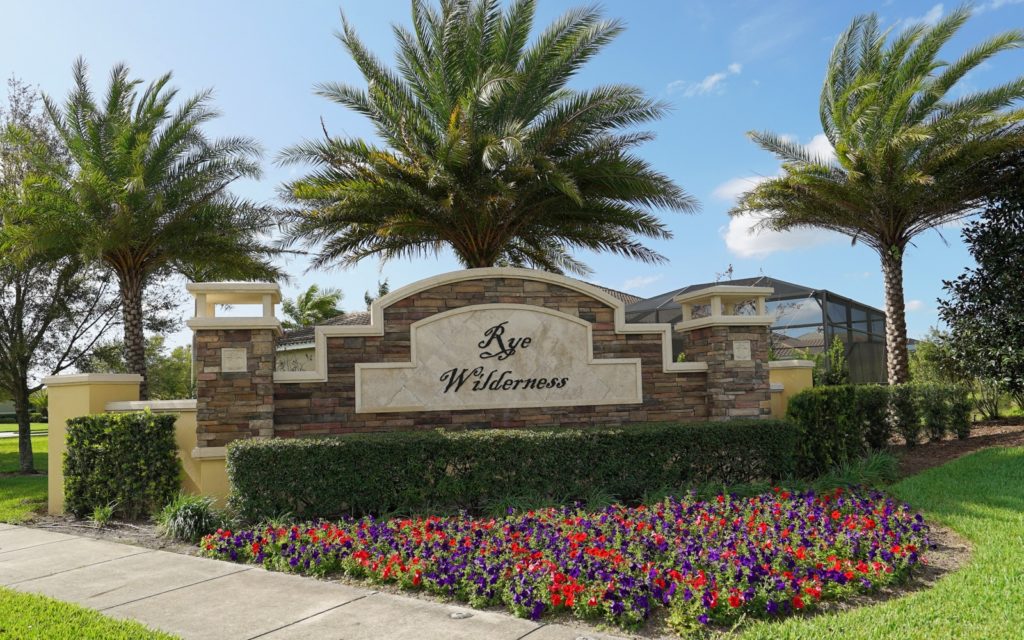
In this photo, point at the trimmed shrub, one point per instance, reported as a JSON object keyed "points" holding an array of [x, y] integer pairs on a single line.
{"points": [[904, 412], [933, 400], [439, 471], [961, 411], [829, 425], [871, 404], [128, 460], [189, 517]]}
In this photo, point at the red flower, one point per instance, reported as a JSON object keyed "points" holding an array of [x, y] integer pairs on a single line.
{"points": [[734, 601], [798, 602]]}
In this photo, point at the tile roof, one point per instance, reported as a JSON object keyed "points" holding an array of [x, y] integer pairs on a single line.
{"points": [[304, 335]]}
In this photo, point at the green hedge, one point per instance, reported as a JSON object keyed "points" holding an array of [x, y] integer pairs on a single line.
{"points": [[128, 460], [837, 424], [441, 471]]}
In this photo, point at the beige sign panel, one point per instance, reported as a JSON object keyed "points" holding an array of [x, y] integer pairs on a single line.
{"points": [[233, 360], [498, 356], [741, 350]]}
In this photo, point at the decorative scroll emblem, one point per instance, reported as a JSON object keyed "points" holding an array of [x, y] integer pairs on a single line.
{"points": [[498, 356]]}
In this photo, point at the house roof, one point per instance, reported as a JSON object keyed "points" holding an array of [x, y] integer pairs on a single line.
{"points": [[782, 289], [304, 335]]}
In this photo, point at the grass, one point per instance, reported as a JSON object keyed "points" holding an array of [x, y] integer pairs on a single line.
{"points": [[9, 454], [30, 617], [21, 496], [13, 427], [981, 497]]}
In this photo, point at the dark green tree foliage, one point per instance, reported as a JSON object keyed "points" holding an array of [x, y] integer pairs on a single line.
{"points": [[486, 149], [311, 307], [443, 471], [383, 289], [127, 460], [984, 307], [832, 367], [170, 371], [53, 307], [911, 152], [933, 360]]}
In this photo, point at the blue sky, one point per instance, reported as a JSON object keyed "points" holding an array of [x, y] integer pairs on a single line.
{"points": [[726, 67]]}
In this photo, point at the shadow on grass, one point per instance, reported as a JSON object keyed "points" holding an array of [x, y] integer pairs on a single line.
{"points": [[9, 454]]}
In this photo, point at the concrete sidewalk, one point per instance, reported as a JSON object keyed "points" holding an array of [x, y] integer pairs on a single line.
{"points": [[199, 598]]}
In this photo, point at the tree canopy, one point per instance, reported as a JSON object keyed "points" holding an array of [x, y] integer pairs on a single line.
{"points": [[484, 148], [910, 153], [147, 194], [984, 306], [311, 307]]}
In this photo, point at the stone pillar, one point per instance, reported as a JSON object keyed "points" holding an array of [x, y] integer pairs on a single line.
{"points": [[727, 328], [234, 364], [72, 396]]}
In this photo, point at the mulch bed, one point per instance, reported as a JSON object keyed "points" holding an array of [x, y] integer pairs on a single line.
{"points": [[140, 534], [934, 454]]}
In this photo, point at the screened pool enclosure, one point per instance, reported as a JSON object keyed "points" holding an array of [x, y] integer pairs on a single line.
{"points": [[806, 321]]}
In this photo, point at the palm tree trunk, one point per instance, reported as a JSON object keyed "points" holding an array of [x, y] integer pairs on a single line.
{"points": [[22, 409], [897, 361], [134, 338]]}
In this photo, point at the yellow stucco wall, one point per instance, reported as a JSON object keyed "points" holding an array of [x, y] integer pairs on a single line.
{"points": [[70, 397], [793, 376], [84, 394]]}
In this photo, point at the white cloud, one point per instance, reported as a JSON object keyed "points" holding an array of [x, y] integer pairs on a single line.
{"points": [[640, 282], [744, 240], [821, 148], [995, 5], [732, 189], [930, 18], [713, 83], [741, 235], [914, 305]]}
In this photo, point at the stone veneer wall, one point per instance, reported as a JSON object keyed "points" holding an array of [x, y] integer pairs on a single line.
{"points": [[736, 388], [234, 405], [319, 408]]}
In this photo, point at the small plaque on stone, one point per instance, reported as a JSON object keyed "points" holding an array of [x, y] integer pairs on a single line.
{"points": [[741, 350], [233, 360]]}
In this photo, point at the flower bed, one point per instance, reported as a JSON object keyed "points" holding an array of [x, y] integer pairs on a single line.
{"points": [[708, 562]]}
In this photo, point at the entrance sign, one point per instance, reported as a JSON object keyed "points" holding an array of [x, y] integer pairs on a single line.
{"points": [[497, 356]]}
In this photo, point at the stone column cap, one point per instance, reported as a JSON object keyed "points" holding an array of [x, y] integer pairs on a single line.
{"points": [[791, 364], [92, 378], [235, 292]]}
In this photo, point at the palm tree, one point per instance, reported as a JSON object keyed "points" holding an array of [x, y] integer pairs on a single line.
{"points": [[484, 149], [148, 194], [909, 157], [312, 307]]}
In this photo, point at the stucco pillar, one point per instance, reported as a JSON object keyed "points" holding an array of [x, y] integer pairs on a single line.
{"points": [[71, 396], [788, 378]]}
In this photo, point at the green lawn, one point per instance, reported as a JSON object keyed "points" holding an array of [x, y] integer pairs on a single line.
{"points": [[30, 617], [21, 495], [981, 497], [10, 426]]}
